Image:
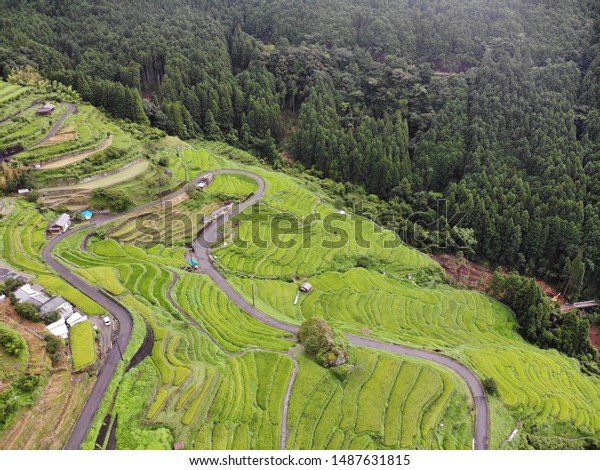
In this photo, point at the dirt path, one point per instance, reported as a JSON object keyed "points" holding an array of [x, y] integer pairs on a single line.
{"points": [[122, 176], [77, 157], [286, 402]]}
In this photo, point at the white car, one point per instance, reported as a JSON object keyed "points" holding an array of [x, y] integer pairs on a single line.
{"points": [[106, 320]]}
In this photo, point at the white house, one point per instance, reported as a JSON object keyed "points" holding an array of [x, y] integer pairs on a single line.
{"points": [[60, 225]]}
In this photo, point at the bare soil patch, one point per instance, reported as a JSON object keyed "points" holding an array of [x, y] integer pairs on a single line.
{"points": [[77, 157], [48, 424], [476, 276], [32, 333], [595, 336], [63, 135]]}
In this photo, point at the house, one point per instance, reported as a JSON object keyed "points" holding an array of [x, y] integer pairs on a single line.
{"points": [[68, 315], [26, 293], [60, 225], [306, 287], [87, 215], [59, 328], [57, 303], [77, 317], [46, 110], [8, 274]]}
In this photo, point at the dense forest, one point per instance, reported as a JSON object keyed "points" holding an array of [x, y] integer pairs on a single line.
{"points": [[492, 106]]}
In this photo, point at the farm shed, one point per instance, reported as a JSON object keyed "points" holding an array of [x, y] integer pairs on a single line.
{"points": [[306, 287], [46, 110]]}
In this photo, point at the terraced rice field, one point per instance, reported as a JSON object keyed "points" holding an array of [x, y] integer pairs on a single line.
{"points": [[58, 286], [541, 386], [545, 387], [124, 150], [173, 223], [193, 387], [143, 274], [391, 309], [11, 95], [22, 238], [12, 109], [83, 346], [191, 162], [387, 402], [270, 244], [28, 129], [91, 130], [232, 328], [239, 186], [205, 399]]}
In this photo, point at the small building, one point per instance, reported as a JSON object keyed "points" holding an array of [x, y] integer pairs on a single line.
{"points": [[59, 328], [56, 304], [205, 180], [75, 318], [60, 225], [87, 215], [46, 110], [27, 293], [193, 263], [306, 287], [23, 191]]}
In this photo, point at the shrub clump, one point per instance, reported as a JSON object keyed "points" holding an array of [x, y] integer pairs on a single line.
{"points": [[327, 347]]}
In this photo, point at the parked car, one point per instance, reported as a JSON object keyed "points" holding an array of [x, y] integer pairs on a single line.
{"points": [[106, 320]]}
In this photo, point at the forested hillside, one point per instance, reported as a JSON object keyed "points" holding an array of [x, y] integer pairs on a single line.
{"points": [[494, 106]]}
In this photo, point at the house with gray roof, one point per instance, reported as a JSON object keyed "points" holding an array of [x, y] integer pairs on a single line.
{"points": [[60, 225]]}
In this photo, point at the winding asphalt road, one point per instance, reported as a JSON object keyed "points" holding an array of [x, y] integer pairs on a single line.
{"points": [[201, 248]]}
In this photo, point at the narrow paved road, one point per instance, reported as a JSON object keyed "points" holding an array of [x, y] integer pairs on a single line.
{"points": [[112, 359], [119, 312], [201, 248], [50, 134], [57, 126]]}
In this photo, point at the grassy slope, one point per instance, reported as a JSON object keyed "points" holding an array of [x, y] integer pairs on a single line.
{"points": [[389, 307], [466, 324], [193, 383]]}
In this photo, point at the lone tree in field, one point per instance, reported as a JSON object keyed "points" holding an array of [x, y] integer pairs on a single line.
{"points": [[328, 347]]}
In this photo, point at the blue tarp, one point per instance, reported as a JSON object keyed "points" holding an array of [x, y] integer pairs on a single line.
{"points": [[87, 214]]}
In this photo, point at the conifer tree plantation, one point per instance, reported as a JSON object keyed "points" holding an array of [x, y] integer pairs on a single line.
{"points": [[381, 141], [493, 106]]}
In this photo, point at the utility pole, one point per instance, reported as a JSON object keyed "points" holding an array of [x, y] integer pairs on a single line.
{"points": [[119, 348]]}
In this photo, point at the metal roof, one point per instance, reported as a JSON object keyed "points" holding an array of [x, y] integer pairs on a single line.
{"points": [[63, 221]]}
